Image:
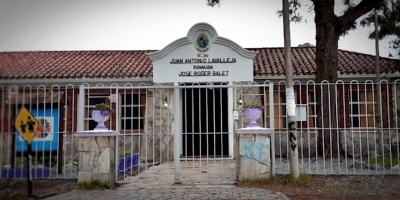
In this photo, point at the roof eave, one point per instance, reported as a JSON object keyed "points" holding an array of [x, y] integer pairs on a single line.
{"points": [[76, 81]]}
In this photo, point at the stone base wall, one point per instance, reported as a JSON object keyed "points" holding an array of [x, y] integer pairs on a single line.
{"points": [[355, 143], [254, 154], [157, 143], [373, 143], [97, 159]]}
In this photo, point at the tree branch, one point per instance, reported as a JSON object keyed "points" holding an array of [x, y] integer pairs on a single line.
{"points": [[352, 14]]}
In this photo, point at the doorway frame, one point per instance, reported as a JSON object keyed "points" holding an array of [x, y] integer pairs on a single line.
{"points": [[178, 108]]}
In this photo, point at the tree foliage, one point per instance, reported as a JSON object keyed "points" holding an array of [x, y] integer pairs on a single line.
{"points": [[307, 44], [294, 15], [213, 3], [389, 23]]}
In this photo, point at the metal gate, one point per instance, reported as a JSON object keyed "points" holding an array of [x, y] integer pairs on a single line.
{"points": [[182, 134], [175, 133], [186, 133]]}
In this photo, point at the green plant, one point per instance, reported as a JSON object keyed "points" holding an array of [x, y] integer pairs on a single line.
{"points": [[387, 161], [94, 185], [66, 161], [48, 86], [103, 107], [21, 161], [254, 106], [124, 154]]}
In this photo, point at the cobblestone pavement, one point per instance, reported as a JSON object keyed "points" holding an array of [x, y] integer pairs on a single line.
{"points": [[134, 191], [191, 172], [211, 179]]}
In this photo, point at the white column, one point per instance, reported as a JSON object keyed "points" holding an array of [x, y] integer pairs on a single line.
{"points": [[272, 123], [81, 108], [230, 120], [177, 131]]}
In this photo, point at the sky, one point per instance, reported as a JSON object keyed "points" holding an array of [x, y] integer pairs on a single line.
{"points": [[59, 25]]}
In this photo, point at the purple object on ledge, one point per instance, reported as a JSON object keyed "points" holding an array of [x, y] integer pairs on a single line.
{"points": [[253, 114]]}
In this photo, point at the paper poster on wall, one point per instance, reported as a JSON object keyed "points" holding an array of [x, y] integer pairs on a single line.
{"points": [[46, 138]]}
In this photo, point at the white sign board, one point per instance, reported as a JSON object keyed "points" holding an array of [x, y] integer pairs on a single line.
{"points": [[202, 56]]}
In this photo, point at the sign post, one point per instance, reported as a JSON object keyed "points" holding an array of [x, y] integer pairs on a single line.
{"points": [[27, 125]]}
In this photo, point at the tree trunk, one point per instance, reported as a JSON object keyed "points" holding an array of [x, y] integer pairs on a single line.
{"points": [[327, 37]]}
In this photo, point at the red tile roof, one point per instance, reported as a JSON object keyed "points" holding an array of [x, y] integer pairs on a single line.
{"points": [[74, 64], [270, 61], [126, 64]]}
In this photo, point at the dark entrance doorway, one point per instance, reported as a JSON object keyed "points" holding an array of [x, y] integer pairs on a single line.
{"points": [[205, 122]]}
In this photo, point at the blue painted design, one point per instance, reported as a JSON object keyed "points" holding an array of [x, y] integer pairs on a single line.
{"points": [[49, 143], [245, 159], [128, 163], [255, 150]]}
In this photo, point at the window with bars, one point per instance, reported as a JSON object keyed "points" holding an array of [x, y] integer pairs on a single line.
{"points": [[304, 106], [361, 108], [311, 110], [132, 112], [279, 110], [90, 102]]}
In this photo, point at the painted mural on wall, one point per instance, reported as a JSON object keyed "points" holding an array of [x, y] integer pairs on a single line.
{"points": [[46, 138], [256, 150]]}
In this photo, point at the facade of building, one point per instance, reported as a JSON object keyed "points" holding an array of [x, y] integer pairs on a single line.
{"points": [[195, 86]]}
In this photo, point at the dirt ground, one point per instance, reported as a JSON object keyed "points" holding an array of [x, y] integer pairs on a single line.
{"points": [[318, 187], [341, 187], [18, 189]]}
